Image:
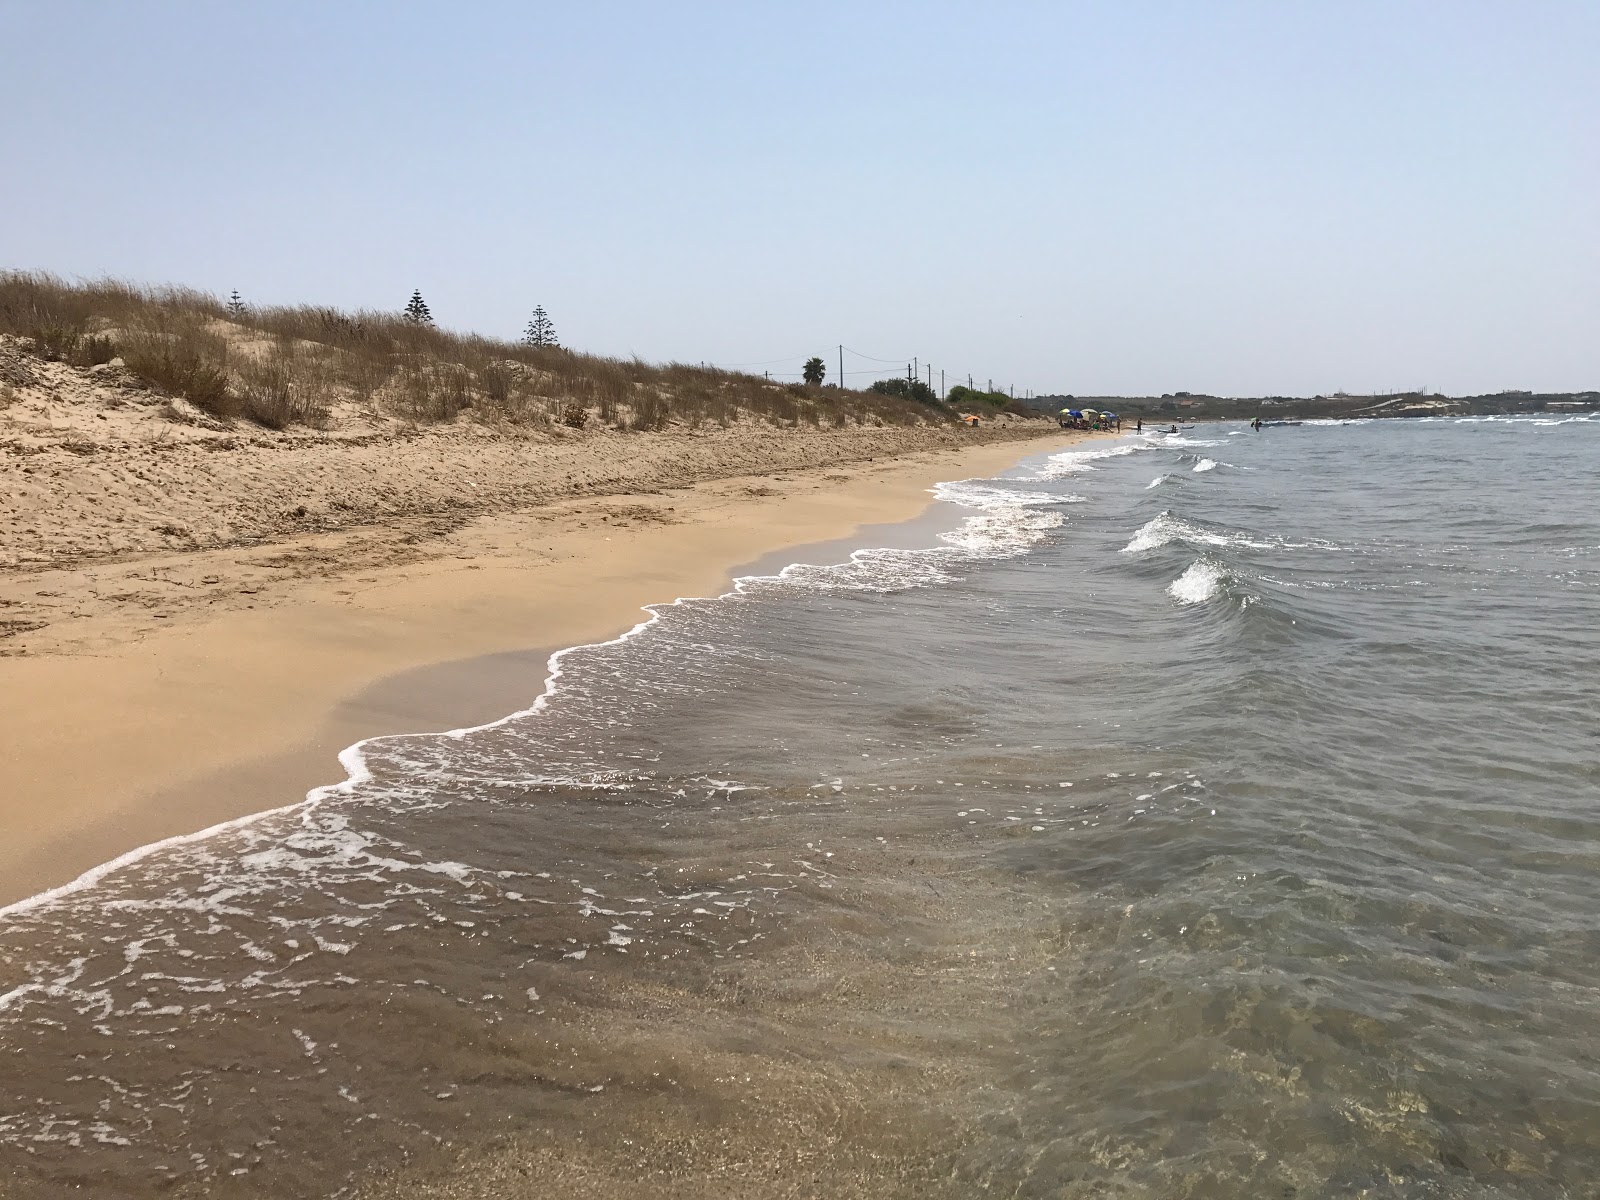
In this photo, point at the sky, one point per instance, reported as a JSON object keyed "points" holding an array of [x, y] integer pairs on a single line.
{"points": [[1128, 197]]}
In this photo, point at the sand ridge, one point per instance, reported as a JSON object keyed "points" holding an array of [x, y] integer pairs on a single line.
{"points": [[94, 465]]}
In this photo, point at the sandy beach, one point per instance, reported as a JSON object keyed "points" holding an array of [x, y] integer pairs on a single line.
{"points": [[133, 721]]}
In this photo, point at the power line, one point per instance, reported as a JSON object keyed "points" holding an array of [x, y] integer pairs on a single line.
{"points": [[870, 358], [765, 362]]}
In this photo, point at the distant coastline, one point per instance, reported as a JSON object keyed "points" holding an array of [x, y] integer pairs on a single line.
{"points": [[1173, 405]]}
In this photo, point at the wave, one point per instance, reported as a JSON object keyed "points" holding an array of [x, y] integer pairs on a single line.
{"points": [[1204, 579], [1008, 522], [1073, 462], [1165, 528], [1537, 419], [1206, 464], [1158, 481]]}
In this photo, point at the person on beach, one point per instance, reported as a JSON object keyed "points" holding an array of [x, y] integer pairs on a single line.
{"points": [[1138, 426]]}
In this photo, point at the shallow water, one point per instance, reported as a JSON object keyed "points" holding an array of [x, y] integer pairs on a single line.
{"points": [[1205, 816]]}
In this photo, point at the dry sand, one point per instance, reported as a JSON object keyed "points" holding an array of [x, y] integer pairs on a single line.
{"points": [[148, 693]]}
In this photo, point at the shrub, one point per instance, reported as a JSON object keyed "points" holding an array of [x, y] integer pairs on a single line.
{"points": [[92, 350], [906, 389], [575, 415], [433, 396], [650, 412], [363, 374], [182, 367], [53, 343], [497, 382], [283, 389]]}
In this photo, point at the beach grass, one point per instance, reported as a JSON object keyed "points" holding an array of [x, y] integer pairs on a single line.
{"points": [[288, 365]]}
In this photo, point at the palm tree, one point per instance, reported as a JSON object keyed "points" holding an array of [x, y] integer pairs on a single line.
{"points": [[813, 371]]}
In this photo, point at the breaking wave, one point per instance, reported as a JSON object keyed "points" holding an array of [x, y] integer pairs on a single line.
{"points": [[1203, 580], [1073, 462]]}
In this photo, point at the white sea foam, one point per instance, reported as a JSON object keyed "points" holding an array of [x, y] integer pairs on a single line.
{"points": [[1533, 419], [1203, 580], [1206, 464], [1163, 529], [1157, 482], [1074, 462]]}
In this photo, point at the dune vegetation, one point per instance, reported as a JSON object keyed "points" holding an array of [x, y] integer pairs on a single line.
{"points": [[286, 366]]}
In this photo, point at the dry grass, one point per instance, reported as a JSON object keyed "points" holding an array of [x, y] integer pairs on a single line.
{"points": [[191, 364], [186, 343], [286, 386]]}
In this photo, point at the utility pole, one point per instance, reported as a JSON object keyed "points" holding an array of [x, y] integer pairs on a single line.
{"points": [[930, 377], [916, 370], [969, 382], [941, 383], [841, 366]]}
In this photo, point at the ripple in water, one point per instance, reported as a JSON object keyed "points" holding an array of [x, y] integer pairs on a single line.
{"points": [[1220, 838]]}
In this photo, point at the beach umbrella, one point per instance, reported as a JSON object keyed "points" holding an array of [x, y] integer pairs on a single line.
{"points": [[1074, 414]]}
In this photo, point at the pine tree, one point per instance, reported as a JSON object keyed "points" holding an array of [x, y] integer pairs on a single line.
{"points": [[235, 305], [541, 330], [417, 311]]}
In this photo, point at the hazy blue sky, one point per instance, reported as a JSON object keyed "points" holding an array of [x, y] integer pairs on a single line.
{"points": [[1088, 198]]}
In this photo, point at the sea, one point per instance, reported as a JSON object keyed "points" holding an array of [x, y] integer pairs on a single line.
{"points": [[1199, 814]]}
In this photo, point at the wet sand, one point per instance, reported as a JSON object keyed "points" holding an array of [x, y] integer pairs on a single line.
{"points": [[123, 730]]}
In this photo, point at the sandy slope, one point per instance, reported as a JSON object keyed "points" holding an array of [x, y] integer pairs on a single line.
{"points": [[94, 465]]}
